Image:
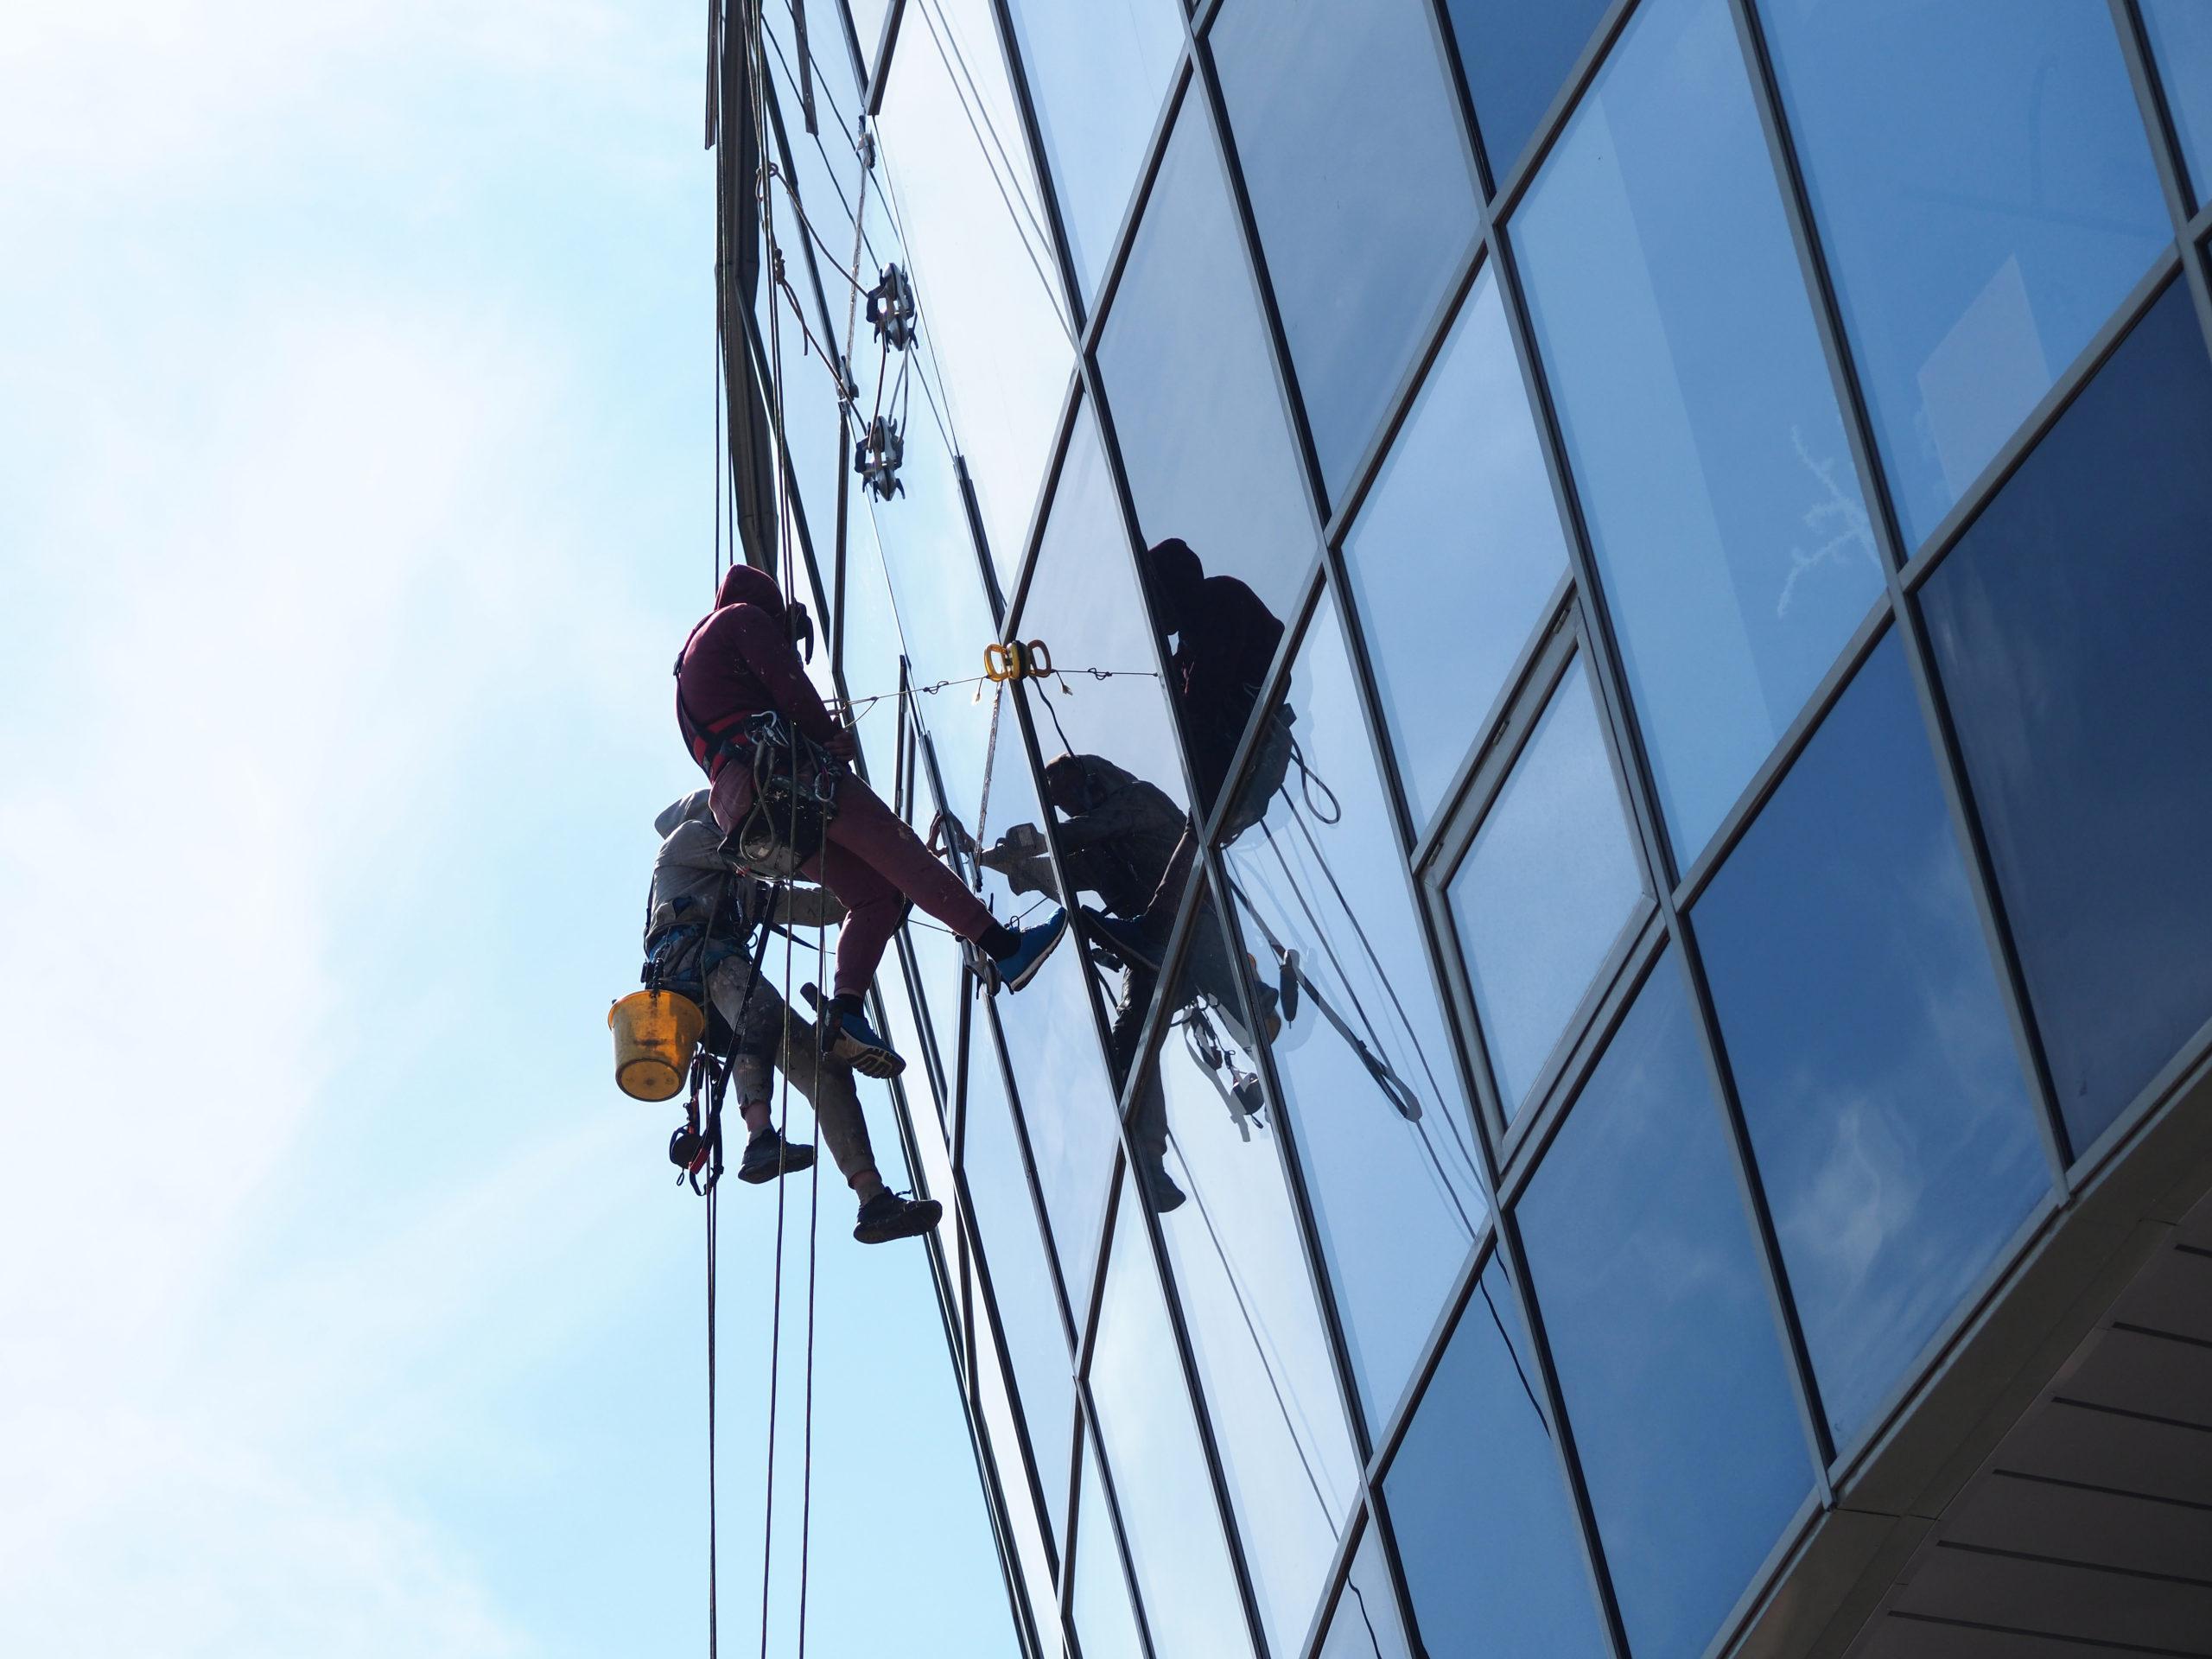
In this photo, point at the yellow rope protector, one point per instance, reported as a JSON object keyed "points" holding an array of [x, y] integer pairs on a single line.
{"points": [[1015, 661]]}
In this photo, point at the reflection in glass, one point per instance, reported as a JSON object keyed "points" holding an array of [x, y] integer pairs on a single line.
{"points": [[1098, 1599], [1895, 1136], [2181, 37], [1328, 99], [1014, 1253], [2069, 628], [1168, 1515], [1515, 55], [1204, 1139], [1986, 196], [1478, 1500], [1668, 1357], [1096, 73], [1382, 1124], [1364, 1622], [1721, 498], [1456, 551], [1190, 381], [1547, 889], [1052, 1039], [992, 331]]}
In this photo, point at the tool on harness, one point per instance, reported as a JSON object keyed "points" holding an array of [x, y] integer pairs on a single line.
{"points": [[794, 797], [878, 456], [1015, 661], [891, 309]]}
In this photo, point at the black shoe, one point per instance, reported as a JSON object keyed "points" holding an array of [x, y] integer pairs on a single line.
{"points": [[767, 1155], [847, 1036], [1161, 1196], [887, 1216]]}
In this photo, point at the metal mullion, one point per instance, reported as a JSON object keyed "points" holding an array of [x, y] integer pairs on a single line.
{"points": [[879, 69], [1522, 170], [1950, 768], [851, 35], [1090, 1440], [1330, 1601], [2145, 73], [1040, 164], [1056, 460]]}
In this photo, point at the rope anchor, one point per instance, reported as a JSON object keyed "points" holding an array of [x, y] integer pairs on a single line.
{"points": [[878, 456], [891, 309], [1016, 661]]}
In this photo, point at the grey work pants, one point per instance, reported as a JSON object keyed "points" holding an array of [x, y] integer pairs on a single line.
{"points": [[772, 1028]]}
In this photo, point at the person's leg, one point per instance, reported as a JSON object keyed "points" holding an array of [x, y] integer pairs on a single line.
{"points": [[866, 834], [1148, 1116], [752, 1009], [828, 1087]]}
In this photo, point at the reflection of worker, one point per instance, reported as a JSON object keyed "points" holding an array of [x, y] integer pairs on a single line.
{"points": [[738, 665], [687, 935]]}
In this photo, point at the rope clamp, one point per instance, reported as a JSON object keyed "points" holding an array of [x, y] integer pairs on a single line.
{"points": [[1015, 661]]}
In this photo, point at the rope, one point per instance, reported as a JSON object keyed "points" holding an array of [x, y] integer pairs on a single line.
{"points": [[714, 1215]]}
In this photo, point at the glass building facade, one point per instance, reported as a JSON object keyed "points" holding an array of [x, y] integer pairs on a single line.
{"points": [[1625, 587]]}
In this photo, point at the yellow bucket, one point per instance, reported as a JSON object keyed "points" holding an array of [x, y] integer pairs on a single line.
{"points": [[655, 1032]]}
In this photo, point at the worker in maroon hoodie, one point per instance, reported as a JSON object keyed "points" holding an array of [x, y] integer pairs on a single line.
{"points": [[739, 663]]}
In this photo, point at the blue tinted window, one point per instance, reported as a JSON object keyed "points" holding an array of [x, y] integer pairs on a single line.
{"points": [[1720, 491], [1547, 889], [1097, 74], [1338, 106], [1648, 1279], [1168, 1515], [1895, 1135], [1384, 1129], [1364, 1625], [1098, 1601], [1516, 54], [1190, 381], [1478, 1500], [2181, 35], [1985, 197], [2070, 628], [1456, 551]]}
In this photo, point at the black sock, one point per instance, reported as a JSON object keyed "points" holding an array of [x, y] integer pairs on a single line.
{"points": [[1000, 941], [847, 1002]]}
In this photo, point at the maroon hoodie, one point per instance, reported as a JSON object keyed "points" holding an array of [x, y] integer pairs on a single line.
{"points": [[739, 661]]}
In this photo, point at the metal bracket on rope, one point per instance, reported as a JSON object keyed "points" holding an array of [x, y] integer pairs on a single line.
{"points": [[878, 456], [1016, 661], [891, 309]]}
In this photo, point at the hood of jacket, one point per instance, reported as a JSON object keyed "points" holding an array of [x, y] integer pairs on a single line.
{"points": [[744, 585], [692, 806]]}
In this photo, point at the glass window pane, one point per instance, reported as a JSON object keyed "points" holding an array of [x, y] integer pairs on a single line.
{"points": [[1095, 75], [1365, 1623], [1544, 893], [993, 332], [1515, 55], [2069, 629], [1456, 550], [1031, 1536], [1197, 412], [1985, 197], [1013, 1253], [1377, 1112], [2181, 35], [1895, 1135], [1720, 491], [1168, 1515], [1660, 1328], [1201, 1127], [1052, 1041], [1480, 1504], [1098, 1599], [1347, 131]]}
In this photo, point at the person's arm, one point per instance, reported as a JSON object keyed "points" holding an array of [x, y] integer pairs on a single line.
{"points": [[773, 662], [804, 907]]}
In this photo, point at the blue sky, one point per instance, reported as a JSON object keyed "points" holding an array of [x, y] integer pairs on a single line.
{"points": [[353, 496]]}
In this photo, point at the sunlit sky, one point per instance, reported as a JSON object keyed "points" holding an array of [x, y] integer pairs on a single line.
{"points": [[355, 392]]}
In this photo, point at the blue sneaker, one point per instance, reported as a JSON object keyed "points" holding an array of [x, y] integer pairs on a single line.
{"points": [[847, 1036], [1031, 946]]}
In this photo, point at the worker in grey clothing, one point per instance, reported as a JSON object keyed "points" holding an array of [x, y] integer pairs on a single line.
{"points": [[688, 877]]}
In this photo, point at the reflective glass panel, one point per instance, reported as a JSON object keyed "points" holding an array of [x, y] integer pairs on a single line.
{"points": [[1014, 1253], [1338, 106], [2070, 628], [1895, 1136], [1455, 552], [1096, 73], [1661, 1331], [1515, 55], [1098, 1599], [996, 342], [1545, 892], [1168, 1515], [1377, 1112], [2181, 35], [1721, 498], [1479, 1503], [1364, 1622], [1202, 1126], [1051, 1040], [1986, 196], [1030, 1536], [1198, 412]]}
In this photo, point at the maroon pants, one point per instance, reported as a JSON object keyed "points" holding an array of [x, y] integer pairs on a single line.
{"points": [[873, 863]]}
